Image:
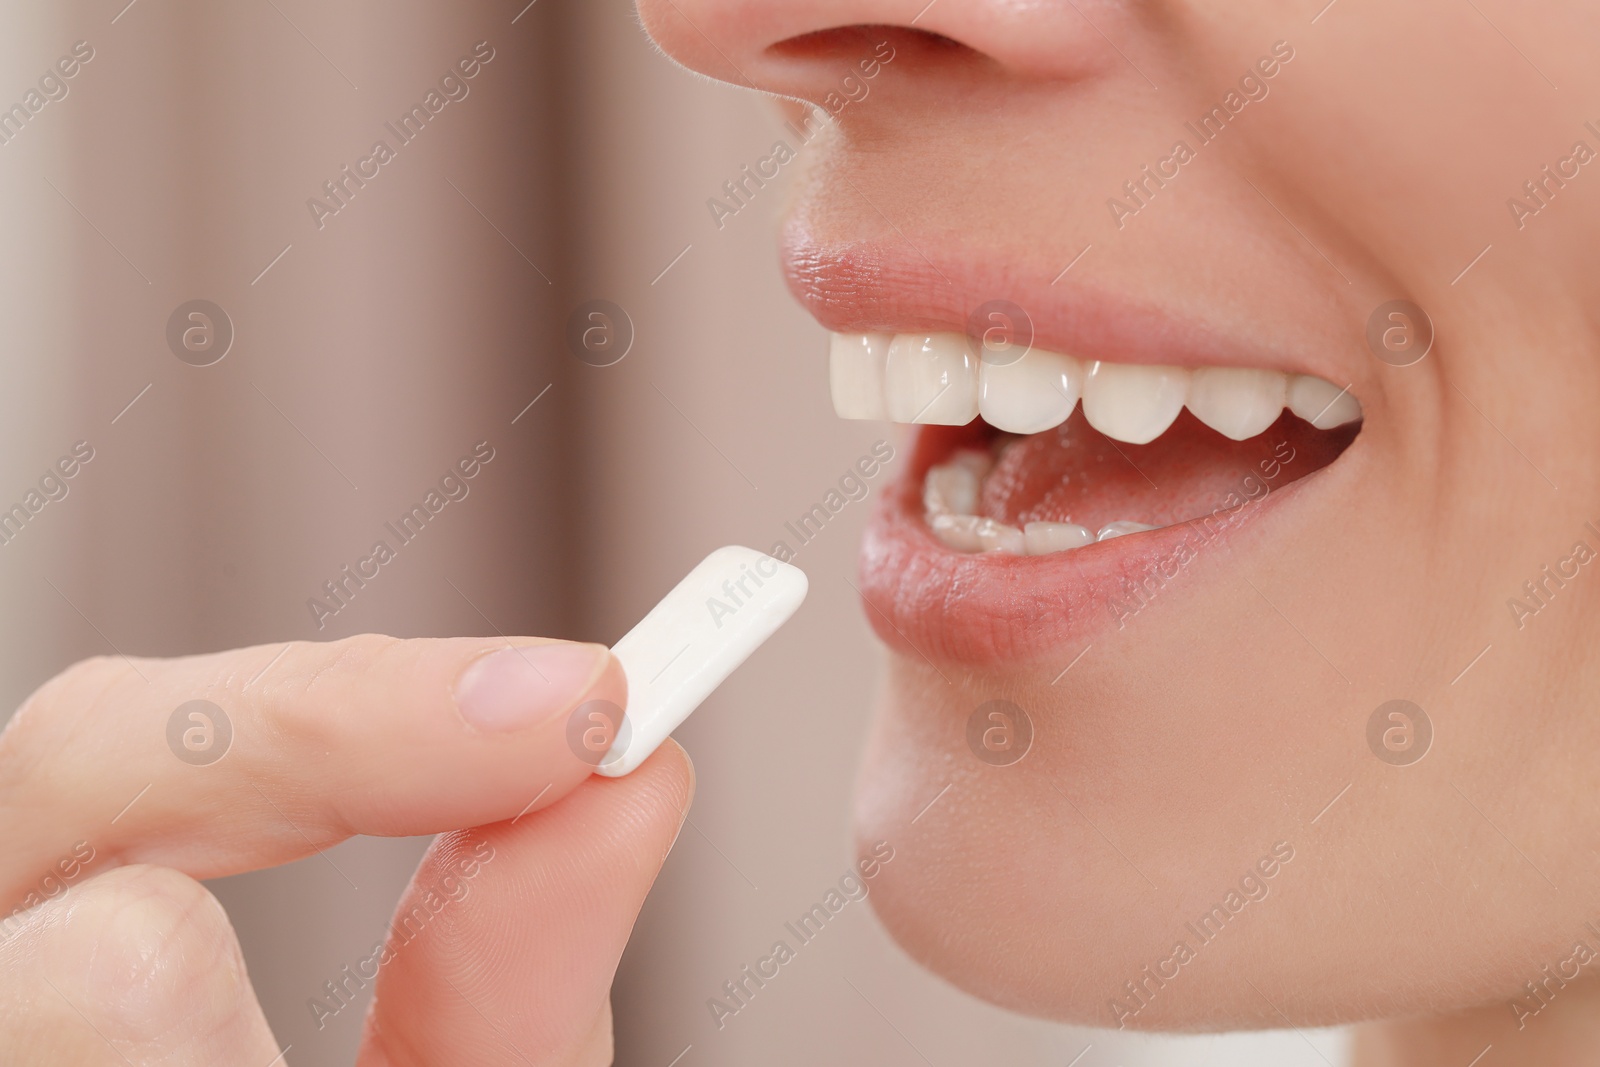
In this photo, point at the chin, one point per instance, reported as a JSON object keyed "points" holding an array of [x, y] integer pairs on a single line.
{"points": [[1104, 879]]}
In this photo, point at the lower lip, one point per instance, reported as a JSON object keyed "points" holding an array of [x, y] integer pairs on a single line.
{"points": [[929, 601]]}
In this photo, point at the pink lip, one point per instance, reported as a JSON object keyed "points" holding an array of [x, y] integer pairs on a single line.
{"points": [[926, 600], [892, 287], [929, 601]]}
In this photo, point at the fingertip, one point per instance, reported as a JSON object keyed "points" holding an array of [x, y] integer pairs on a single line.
{"points": [[689, 769], [546, 910], [673, 776], [146, 956], [675, 751]]}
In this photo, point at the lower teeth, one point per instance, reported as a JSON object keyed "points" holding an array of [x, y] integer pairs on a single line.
{"points": [[1117, 529], [950, 503], [1042, 538]]}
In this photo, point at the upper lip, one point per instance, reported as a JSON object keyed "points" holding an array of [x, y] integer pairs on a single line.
{"points": [[923, 284]]}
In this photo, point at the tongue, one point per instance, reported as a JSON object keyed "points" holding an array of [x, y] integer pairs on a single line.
{"points": [[1074, 473]]}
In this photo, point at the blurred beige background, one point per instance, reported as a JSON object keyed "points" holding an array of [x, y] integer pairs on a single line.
{"points": [[373, 352]]}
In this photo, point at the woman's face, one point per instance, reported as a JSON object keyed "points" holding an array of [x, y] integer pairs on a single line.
{"points": [[1220, 820]]}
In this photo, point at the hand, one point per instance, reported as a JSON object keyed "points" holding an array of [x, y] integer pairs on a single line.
{"points": [[120, 956]]}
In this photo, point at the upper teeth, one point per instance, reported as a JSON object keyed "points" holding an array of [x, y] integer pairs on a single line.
{"points": [[936, 378]]}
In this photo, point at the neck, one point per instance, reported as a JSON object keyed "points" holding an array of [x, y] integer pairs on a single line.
{"points": [[1564, 1033]]}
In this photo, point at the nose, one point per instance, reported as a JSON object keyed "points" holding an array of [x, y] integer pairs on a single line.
{"points": [[800, 48]]}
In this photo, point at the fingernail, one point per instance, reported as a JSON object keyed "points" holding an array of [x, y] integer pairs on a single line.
{"points": [[515, 688]]}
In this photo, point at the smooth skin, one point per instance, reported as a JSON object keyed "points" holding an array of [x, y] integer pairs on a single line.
{"points": [[135, 963], [1231, 713]]}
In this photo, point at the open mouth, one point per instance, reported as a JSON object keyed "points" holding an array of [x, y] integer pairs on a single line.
{"points": [[1048, 496]]}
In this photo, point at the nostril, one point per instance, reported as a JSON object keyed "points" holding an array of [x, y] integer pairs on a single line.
{"points": [[953, 48], [851, 45]]}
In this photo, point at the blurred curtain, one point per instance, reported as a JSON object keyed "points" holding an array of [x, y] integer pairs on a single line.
{"points": [[372, 348]]}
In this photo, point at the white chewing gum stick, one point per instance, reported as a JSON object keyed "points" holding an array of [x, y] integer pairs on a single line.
{"points": [[711, 622]]}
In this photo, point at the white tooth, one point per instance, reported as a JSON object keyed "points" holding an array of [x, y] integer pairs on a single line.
{"points": [[960, 532], [1321, 403], [931, 378], [1043, 538], [996, 536], [1033, 393], [952, 488], [856, 363], [1131, 402], [1117, 529], [976, 460], [1237, 402]]}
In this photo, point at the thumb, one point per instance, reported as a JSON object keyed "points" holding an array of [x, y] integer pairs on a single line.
{"points": [[503, 947], [136, 966]]}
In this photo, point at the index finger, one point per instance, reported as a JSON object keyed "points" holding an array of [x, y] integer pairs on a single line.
{"points": [[296, 748]]}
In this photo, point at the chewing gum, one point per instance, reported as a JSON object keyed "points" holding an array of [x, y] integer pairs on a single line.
{"points": [[688, 644]]}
